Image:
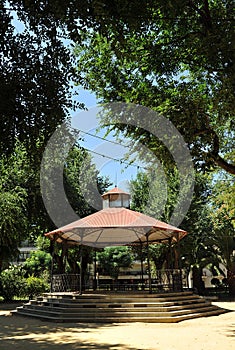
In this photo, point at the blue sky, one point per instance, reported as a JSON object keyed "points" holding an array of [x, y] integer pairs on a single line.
{"points": [[118, 172]]}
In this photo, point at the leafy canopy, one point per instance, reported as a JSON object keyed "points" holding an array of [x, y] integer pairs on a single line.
{"points": [[111, 259], [176, 58]]}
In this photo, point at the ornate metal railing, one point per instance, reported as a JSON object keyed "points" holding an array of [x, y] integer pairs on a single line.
{"points": [[162, 280], [65, 283]]}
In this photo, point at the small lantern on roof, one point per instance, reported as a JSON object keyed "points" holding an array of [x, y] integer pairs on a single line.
{"points": [[116, 198]]}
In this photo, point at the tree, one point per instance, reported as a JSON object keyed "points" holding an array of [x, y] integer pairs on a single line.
{"points": [[23, 214], [36, 71], [155, 193], [223, 195], [198, 248], [223, 221], [111, 259], [13, 204], [224, 243], [83, 187], [38, 263], [83, 184], [156, 196], [34, 82], [174, 58]]}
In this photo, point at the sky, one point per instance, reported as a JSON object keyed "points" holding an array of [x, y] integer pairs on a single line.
{"points": [[106, 155]]}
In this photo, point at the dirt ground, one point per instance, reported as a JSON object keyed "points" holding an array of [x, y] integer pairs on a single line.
{"points": [[207, 333]]}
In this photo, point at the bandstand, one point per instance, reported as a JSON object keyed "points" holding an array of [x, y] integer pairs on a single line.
{"points": [[117, 225], [161, 299]]}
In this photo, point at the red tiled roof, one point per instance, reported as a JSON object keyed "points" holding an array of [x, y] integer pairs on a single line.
{"points": [[115, 190], [117, 226]]}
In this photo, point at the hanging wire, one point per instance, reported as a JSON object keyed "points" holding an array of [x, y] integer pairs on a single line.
{"points": [[121, 161]]}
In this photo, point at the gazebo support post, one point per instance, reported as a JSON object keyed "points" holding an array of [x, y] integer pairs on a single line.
{"points": [[95, 279], [142, 266], [80, 275], [170, 259], [52, 265], [148, 261], [177, 253]]}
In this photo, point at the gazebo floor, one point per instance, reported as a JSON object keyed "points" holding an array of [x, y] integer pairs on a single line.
{"points": [[122, 307]]}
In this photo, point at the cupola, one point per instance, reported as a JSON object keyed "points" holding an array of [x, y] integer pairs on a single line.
{"points": [[116, 198]]}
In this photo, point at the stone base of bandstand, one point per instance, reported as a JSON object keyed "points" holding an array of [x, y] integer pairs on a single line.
{"points": [[118, 307]]}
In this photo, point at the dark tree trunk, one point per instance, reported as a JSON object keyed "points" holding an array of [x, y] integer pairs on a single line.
{"points": [[198, 283], [231, 281]]}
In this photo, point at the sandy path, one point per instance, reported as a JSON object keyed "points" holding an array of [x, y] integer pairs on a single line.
{"points": [[209, 333]]}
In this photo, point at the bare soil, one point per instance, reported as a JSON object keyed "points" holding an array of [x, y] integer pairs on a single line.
{"points": [[207, 333]]}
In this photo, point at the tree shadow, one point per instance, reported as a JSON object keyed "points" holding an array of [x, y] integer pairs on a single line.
{"points": [[231, 331], [17, 332]]}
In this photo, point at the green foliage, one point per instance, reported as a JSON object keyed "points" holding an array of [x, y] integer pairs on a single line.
{"points": [[83, 185], [34, 77], [12, 283], [222, 215], [223, 196], [178, 63], [13, 203], [38, 262], [155, 193], [23, 214], [43, 243], [111, 259], [35, 286], [203, 245]]}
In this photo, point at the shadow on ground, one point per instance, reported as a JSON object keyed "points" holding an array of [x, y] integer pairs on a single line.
{"points": [[23, 333]]}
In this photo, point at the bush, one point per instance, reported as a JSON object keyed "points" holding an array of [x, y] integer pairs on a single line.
{"points": [[12, 283], [35, 286], [38, 262]]}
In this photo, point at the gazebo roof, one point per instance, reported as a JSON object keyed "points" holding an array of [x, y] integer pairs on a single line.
{"points": [[115, 190], [116, 226]]}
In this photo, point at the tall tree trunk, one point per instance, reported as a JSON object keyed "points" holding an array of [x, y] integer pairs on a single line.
{"points": [[231, 281], [197, 279]]}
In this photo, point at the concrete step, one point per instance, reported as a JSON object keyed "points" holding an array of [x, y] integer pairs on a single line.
{"points": [[117, 312], [170, 301], [122, 308], [114, 295], [120, 298], [59, 308], [123, 304], [123, 299], [114, 319]]}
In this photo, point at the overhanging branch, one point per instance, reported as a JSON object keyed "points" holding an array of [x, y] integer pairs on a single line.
{"points": [[214, 154], [230, 168]]}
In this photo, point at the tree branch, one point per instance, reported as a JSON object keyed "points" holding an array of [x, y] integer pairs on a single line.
{"points": [[228, 167], [214, 154], [204, 13]]}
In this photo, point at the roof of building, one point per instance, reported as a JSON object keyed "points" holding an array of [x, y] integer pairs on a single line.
{"points": [[115, 190]]}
